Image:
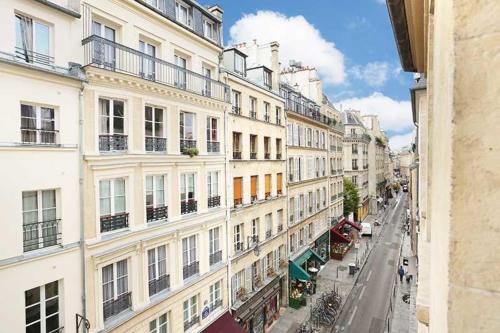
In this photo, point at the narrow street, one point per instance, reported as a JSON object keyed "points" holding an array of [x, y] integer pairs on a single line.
{"points": [[366, 306]]}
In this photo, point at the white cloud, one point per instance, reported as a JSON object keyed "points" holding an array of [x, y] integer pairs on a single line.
{"points": [[382, 2], [374, 74], [399, 141], [394, 115], [298, 39]]}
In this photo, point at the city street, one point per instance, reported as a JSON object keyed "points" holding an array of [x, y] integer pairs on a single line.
{"points": [[366, 306]]}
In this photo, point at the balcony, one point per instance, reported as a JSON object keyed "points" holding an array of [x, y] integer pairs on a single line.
{"points": [[333, 172], [114, 222], [253, 198], [339, 148], [213, 146], [215, 257], [355, 167], [365, 166], [253, 114], [236, 109], [215, 305], [290, 176], [269, 233], [189, 206], [253, 156], [156, 144], [279, 191], [191, 269], [280, 228], [339, 171], [354, 151], [185, 144], [102, 53], [156, 213], [267, 118], [236, 155], [267, 156], [332, 148], [116, 142], [35, 136], [214, 201], [40, 235], [190, 323], [238, 247], [278, 156], [333, 197], [115, 306], [158, 285]]}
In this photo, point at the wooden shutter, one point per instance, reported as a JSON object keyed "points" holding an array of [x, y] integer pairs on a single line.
{"points": [[279, 182], [253, 186], [237, 182], [268, 184]]}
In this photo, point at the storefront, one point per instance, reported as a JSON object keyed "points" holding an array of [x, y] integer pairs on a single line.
{"points": [[342, 237], [302, 273], [322, 246], [258, 313], [224, 323]]}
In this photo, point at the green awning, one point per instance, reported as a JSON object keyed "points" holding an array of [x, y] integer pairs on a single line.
{"points": [[309, 254], [295, 272], [317, 257], [323, 238]]}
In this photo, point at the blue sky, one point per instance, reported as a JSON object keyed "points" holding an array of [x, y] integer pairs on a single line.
{"points": [[350, 42]]}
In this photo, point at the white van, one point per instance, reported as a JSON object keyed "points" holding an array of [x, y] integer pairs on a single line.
{"points": [[366, 229]]}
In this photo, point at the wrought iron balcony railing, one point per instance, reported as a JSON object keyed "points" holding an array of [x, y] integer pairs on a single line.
{"points": [[156, 213], [267, 118], [214, 201], [41, 234], [253, 198], [236, 109], [33, 57], [269, 233], [215, 257], [278, 121], [236, 155], [280, 227], [216, 304], [237, 201], [185, 144], [278, 156], [213, 146], [158, 285], [253, 156], [36, 136], [114, 222], [189, 206], [253, 114], [156, 144], [239, 246], [267, 156], [115, 306], [191, 269], [106, 54], [115, 142], [191, 322]]}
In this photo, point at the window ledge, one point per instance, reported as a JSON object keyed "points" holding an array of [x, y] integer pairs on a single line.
{"points": [[36, 254]]}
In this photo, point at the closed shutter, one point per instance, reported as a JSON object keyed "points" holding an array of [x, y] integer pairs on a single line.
{"points": [[263, 267], [279, 182], [237, 182], [268, 184], [253, 186], [233, 287]]}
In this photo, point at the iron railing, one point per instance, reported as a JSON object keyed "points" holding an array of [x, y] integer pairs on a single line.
{"points": [[114, 222], [41, 234], [33, 57], [115, 306], [189, 206], [190, 323], [158, 285], [38, 136], [216, 304], [280, 228], [269, 233], [156, 144], [253, 198], [267, 156], [253, 114], [190, 269], [278, 156], [156, 213], [253, 156], [106, 54], [185, 144], [236, 155], [267, 118], [215, 257], [236, 109], [237, 201], [239, 246], [214, 201], [115, 142], [213, 146]]}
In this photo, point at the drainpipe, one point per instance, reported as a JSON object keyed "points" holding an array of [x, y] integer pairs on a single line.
{"points": [[81, 194]]}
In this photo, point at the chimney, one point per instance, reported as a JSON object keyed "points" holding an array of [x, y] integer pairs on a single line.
{"points": [[275, 65], [217, 11]]}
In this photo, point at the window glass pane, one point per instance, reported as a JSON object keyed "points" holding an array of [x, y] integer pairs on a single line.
{"points": [[51, 289], [30, 207], [107, 283], [32, 314], [104, 115], [32, 296], [41, 39]]}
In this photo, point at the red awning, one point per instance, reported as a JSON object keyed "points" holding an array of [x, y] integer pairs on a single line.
{"points": [[337, 237], [353, 224], [225, 324]]}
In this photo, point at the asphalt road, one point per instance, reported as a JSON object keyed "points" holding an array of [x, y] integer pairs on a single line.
{"points": [[366, 306]]}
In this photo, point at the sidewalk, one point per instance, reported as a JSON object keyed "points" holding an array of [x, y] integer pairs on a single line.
{"points": [[329, 280], [404, 316]]}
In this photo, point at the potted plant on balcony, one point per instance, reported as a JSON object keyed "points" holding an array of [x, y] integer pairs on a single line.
{"points": [[271, 272], [258, 281], [242, 294], [282, 263], [191, 151]]}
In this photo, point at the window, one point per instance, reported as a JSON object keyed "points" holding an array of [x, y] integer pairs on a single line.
{"points": [[183, 13], [236, 99], [278, 149], [42, 308], [213, 145], [207, 73], [267, 111], [156, 208], [267, 79], [300, 207], [215, 295], [158, 280], [239, 64], [147, 69], [269, 225], [236, 146], [253, 147], [115, 294], [209, 30], [253, 107], [189, 261], [32, 40], [255, 230], [253, 188], [154, 129], [112, 125], [354, 148], [180, 72], [186, 126], [278, 115], [309, 137], [267, 147], [237, 190], [279, 219], [40, 223], [215, 253], [267, 186], [38, 124], [279, 183], [190, 312], [292, 209], [112, 204], [238, 237], [213, 189], [105, 55], [238, 284], [188, 202], [159, 325], [355, 164]]}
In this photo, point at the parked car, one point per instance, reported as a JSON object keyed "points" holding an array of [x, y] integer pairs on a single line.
{"points": [[366, 229]]}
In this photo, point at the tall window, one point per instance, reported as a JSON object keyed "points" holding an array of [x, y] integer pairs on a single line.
{"points": [[147, 70], [112, 204], [239, 64], [186, 126], [42, 308], [207, 73], [238, 237], [40, 223], [253, 107], [158, 280], [154, 129], [213, 145], [38, 124], [190, 312], [267, 186], [267, 79], [215, 253], [189, 261], [215, 295], [105, 55], [237, 190], [213, 189], [188, 202], [160, 324], [279, 183], [267, 112], [112, 125], [236, 100], [183, 13], [180, 72], [253, 146], [291, 210], [253, 187], [278, 115], [32, 40], [209, 30], [255, 230], [278, 149], [115, 294], [155, 198], [269, 224]]}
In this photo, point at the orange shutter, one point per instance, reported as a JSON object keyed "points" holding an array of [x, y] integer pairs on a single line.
{"points": [[253, 186], [268, 184], [279, 181], [237, 188]]}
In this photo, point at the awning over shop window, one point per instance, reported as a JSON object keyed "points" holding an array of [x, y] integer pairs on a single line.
{"points": [[224, 323], [296, 272], [323, 238]]}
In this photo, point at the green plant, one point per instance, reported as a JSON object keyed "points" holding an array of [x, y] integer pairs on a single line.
{"points": [[191, 152], [351, 197]]}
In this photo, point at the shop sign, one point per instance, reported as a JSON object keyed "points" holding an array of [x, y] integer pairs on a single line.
{"points": [[205, 312]]}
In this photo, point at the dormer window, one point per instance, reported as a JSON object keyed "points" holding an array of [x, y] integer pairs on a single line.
{"points": [[267, 79], [239, 64], [183, 13], [209, 30]]}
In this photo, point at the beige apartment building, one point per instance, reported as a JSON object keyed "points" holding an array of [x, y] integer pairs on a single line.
{"points": [[356, 142], [454, 45], [257, 234], [40, 262], [155, 199]]}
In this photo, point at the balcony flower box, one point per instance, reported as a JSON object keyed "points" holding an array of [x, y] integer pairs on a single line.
{"points": [[339, 250]]}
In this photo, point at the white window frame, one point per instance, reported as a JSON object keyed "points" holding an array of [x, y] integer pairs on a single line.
{"points": [[213, 178], [238, 236], [189, 19], [155, 266], [42, 304], [209, 29], [159, 326], [214, 240], [215, 292], [114, 280], [38, 123], [154, 110], [182, 115], [190, 308], [184, 184], [210, 129], [111, 116], [186, 250], [112, 195], [154, 190]]}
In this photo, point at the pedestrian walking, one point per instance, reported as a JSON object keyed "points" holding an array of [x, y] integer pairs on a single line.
{"points": [[401, 272]]}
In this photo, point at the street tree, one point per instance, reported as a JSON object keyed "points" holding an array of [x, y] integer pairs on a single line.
{"points": [[351, 197]]}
